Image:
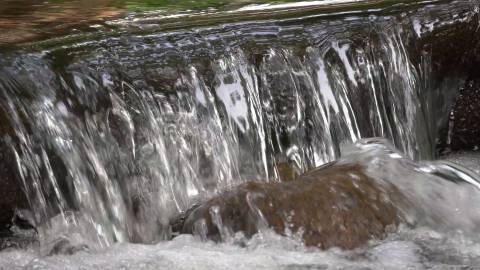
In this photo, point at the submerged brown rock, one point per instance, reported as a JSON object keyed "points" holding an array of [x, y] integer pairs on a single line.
{"points": [[332, 206]]}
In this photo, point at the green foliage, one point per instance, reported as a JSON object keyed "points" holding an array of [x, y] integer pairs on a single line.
{"points": [[180, 5]]}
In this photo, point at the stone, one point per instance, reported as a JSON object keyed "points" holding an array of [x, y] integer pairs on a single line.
{"points": [[12, 195], [332, 206], [462, 132]]}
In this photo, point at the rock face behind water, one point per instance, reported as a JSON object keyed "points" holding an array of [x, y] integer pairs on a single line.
{"points": [[12, 195], [463, 130], [333, 206]]}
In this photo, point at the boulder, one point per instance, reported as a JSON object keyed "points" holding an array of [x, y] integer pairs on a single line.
{"points": [[332, 206]]}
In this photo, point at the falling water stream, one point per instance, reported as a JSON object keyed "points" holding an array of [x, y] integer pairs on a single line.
{"points": [[117, 130]]}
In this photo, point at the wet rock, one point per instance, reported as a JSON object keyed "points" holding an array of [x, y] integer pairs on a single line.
{"points": [[27, 20], [333, 206], [12, 195], [287, 172], [63, 246], [18, 239], [14, 214], [463, 129]]}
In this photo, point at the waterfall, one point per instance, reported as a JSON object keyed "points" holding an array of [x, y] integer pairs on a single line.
{"points": [[114, 136]]}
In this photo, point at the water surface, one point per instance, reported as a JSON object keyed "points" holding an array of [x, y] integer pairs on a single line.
{"points": [[120, 115]]}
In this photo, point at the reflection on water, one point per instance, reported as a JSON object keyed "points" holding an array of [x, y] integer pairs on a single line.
{"points": [[118, 134], [22, 20], [27, 20], [113, 134]]}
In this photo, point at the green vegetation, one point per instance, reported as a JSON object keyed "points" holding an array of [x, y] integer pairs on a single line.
{"points": [[173, 6], [146, 5], [179, 5]]}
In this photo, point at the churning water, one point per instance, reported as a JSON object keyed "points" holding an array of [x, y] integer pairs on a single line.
{"points": [[409, 249], [116, 131], [445, 235]]}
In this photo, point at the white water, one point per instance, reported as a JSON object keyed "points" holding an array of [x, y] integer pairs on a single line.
{"points": [[444, 236], [219, 131], [409, 249], [116, 143]]}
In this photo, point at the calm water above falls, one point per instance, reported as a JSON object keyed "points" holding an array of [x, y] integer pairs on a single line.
{"points": [[118, 129], [30, 20]]}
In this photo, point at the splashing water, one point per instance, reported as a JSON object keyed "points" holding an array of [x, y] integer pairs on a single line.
{"points": [[115, 136], [439, 194], [443, 237]]}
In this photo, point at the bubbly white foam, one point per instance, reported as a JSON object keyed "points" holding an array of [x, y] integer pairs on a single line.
{"points": [[408, 249]]}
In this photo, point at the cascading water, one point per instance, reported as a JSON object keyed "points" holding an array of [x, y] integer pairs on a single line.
{"points": [[116, 135], [445, 233]]}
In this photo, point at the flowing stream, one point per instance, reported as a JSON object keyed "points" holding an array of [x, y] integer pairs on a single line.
{"points": [[445, 235], [116, 130]]}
